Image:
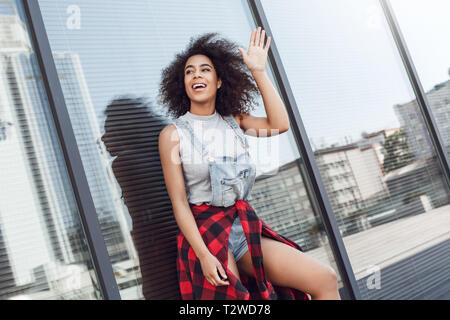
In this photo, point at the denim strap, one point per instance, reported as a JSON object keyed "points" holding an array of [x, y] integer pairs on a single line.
{"points": [[238, 132], [195, 141], [200, 146]]}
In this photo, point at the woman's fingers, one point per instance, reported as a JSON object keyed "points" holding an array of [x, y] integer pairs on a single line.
{"points": [[213, 271], [215, 279], [222, 283], [252, 38], [261, 40], [220, 273], [257, 36]]}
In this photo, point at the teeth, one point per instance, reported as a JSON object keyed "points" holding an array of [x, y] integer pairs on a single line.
{"points": [[195, 86]]}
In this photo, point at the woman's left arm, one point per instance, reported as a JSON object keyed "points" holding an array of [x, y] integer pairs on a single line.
{"points": [[277, 120]]}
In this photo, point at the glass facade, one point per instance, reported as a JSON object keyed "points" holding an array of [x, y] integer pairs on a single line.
{"points": [[43, 249], [372, 147], [133, 72], [387, 190], [430, 55]]}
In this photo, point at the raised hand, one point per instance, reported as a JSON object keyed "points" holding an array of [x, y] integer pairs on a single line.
{"points": [[256, 56]]}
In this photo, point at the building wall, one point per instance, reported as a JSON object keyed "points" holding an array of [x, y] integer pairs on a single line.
{"points": [[411, 119], [281, 200], [351, 176]]}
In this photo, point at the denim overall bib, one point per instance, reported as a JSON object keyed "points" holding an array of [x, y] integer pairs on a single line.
{"points": [[232, 178]]}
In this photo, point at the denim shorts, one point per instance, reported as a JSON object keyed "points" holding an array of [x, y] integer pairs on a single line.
{"points": [[237, 241]]}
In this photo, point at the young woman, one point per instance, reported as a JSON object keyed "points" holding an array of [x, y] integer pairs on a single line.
{"points": [[224, 250]]}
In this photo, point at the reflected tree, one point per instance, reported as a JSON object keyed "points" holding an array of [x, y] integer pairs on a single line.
{"points": [[397, 153]]}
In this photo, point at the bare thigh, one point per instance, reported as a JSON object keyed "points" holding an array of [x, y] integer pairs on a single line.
{"points": [[289, 267], [232, 264]]}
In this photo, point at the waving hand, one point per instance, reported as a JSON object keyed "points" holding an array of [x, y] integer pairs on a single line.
{"points": [[256, 56]]}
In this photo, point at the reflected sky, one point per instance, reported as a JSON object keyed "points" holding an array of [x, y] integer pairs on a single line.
{"points": [[123, 48], [429, 50], [130, 44], [344, 67], [345, 70]]}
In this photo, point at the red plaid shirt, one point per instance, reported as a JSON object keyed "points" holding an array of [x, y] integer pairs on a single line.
{"points": [[214, 224]]}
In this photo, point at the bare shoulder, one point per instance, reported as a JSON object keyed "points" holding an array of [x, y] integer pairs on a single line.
{"points": [[169, 145], [169, 134]]}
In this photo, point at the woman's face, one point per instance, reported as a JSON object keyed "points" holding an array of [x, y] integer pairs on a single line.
{"points": [[200, 79]]}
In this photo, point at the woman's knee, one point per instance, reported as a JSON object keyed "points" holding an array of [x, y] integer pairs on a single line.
{"points": [[327, 280], [332, 276]]}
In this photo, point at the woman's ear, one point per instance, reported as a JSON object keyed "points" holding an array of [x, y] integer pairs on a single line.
{"points": [[219, 83]]}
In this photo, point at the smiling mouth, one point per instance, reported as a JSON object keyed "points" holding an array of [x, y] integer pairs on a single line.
{"points": [[199, 87]]}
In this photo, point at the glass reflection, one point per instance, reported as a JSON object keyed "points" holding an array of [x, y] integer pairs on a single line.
{"points": [[131, 137], [431, 58], [372, 148], [117, 63], [43, 251]]}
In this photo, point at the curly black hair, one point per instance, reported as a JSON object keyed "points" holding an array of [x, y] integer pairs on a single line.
{"points": [[238, 90]]}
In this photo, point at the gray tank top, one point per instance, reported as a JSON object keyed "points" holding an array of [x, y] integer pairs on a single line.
{"points": [[218, 138]]}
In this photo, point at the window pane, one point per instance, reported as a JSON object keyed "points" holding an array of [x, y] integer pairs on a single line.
{"points": [[117, 50], [389, 197], [431, 56], [43, 251]]}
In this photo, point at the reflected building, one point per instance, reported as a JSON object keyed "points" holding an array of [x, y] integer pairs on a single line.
{"points": [[31, 195], [38, 174], [411, 119], [413, 191], [282, 202], [408, 181], [352, 174], [109, 207], [376, 141], [6, 275], [356, 181]]}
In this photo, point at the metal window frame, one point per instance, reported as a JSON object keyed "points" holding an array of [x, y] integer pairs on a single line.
{"points": [[301, 137], [72, 157], [422, 101]]}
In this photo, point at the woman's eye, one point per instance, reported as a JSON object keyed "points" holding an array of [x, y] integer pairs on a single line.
{"points": [[203, 70]]}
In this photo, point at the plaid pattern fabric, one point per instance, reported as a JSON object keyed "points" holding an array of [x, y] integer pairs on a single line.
{"points": [[214, 224]]}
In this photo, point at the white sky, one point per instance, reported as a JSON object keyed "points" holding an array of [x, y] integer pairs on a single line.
{"points": [[342, 63], [426, 29], [344, 68]]}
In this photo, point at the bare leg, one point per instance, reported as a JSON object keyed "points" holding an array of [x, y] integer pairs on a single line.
{"points": [[232, 264], [288, 267]]}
